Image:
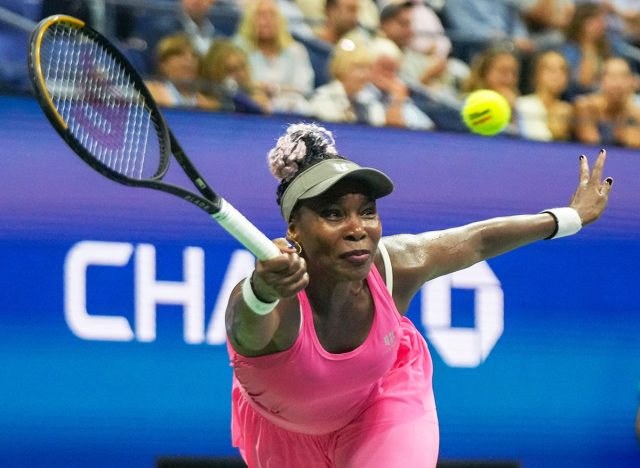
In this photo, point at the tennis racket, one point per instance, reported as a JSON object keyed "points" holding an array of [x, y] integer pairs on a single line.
{"points": [[100, 106]]}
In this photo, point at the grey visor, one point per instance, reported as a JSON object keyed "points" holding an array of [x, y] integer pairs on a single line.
{"points": [[321, 177]]}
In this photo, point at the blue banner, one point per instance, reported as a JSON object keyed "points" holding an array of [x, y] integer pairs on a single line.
{"points": [[112, 331]]}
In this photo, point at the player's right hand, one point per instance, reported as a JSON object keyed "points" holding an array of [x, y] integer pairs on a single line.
{"points": [[281, 276]]}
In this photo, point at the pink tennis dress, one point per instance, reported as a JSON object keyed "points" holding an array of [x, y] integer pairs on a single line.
{"points": [[370, 407]]}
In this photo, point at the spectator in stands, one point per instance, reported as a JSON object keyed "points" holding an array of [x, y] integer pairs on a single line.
{"points": [[226, 76], [387, 87], [297, 23], [610, 115], [586, 48], [625, 19], [429, 35], [191, 18], [342, 100], [544, 115], [315, 13], [498, 69], [280, 64], [177, 75], [341, 17], [340, 21], [473, 26], [629, 13], [623, 30], [432, 69], [546, 21]]}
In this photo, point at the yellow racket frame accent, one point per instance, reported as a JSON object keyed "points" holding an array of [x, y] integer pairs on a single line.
{"points": [[54, 19]]}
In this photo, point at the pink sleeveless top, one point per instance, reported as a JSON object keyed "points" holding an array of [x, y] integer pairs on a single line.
{"points": [[309, 390]]}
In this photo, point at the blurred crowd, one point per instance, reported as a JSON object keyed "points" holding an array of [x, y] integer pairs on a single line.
{"points": [[568, 68]]}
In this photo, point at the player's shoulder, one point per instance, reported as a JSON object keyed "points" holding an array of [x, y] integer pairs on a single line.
{"points": [[404, 249]]}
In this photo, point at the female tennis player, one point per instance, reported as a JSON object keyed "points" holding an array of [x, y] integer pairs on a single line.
{"points": [[327, 370]]}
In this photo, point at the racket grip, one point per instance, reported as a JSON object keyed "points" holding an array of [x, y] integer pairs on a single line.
{"points": [[242, 229]]}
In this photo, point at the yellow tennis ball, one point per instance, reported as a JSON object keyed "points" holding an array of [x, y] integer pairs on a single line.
{"points": [[486, 112]]}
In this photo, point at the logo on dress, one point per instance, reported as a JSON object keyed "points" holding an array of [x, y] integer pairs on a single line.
{"points": [[389, 339]]}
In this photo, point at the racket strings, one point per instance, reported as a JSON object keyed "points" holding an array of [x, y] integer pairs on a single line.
{"points": [[99, 102]]}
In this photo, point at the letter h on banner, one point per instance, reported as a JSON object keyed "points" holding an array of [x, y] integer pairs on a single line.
{"points": [[150, 292]]}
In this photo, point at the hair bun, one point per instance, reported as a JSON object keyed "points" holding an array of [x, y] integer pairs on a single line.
{"points": [[286, 157]]}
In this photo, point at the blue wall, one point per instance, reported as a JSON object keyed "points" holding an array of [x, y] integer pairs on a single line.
{"points": [[558, 388]]}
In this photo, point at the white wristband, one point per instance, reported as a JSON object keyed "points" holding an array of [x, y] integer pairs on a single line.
{"points": [[567, 220], [255, 304]]}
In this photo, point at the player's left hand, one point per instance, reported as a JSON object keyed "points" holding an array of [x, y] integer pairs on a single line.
{"points": [[592, 195]]}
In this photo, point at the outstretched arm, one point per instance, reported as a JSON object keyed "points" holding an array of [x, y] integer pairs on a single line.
{"points": [[417, 259]]}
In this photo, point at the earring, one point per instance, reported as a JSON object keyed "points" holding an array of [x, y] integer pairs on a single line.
{"points": [[294, 243]]}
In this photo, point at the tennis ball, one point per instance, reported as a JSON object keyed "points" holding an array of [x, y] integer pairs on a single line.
{"points": [[486, 112]]}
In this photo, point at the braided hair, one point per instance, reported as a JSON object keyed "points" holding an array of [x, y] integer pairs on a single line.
{"points": [[302, 146]]}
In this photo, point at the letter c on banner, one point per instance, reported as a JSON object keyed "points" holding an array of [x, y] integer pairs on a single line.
{"points": [[464, 347], [83, 324]]}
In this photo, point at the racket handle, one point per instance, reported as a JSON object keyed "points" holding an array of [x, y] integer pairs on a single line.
{"points": [[243, 230]]}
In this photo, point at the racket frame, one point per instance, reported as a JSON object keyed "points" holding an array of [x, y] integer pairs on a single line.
{"points": [[220, 210], [168, 144]]}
